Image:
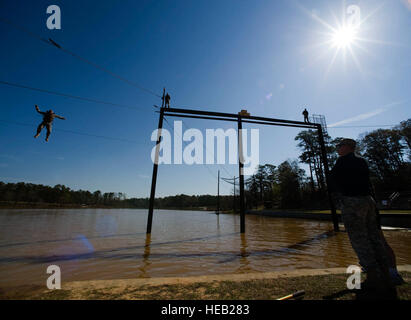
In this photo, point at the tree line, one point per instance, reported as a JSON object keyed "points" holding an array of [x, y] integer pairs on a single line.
{"points": [[388, 152], [20, 193]]}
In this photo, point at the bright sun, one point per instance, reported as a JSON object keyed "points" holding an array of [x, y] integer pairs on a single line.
{"points": [[343, 37]]}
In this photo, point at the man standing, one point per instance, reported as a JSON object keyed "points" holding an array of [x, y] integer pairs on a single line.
{"points": [[350, 183], [305, 114], [167, 100], [48, 118]]}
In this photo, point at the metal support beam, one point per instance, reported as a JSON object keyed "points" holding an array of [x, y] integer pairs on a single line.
{"points": [[234, 199], [226, 116], [218, 193], [155, 169], [302, 125], [197, 114], [327, 173], [241, 172]]}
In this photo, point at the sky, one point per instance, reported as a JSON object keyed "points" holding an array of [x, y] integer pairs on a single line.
{"points": [[272, 58]]}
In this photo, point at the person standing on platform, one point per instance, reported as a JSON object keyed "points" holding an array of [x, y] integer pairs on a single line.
{"points": [[305, 114]]}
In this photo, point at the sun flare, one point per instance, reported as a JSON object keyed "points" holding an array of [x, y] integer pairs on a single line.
{"points": [[343, 37]]}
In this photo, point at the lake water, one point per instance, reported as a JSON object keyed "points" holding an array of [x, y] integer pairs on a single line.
{"points": [[94, 244]]}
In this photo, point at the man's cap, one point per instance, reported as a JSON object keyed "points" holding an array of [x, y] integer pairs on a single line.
{"points": [[347, 142]]}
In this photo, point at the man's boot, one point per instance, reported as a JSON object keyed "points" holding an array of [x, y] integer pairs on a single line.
{"points": [[378, 286], [373, 280]]}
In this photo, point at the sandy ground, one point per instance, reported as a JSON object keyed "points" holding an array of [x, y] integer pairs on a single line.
{"points": [[99, 284], [149, 288]]}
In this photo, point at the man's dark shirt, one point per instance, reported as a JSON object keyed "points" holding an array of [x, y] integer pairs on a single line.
{"points": [[350, 176], [48, 117]]}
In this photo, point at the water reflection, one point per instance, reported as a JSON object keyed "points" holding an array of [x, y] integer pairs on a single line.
{"points": [[244, 260], [91, 253], [146, 258], [107, 244]]}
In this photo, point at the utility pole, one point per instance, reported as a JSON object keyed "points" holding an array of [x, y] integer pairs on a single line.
{"points": [[232, 181]]}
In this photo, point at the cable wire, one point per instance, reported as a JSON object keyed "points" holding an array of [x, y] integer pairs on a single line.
{"points": [[65, 95], [73, 132], [53, 43]]}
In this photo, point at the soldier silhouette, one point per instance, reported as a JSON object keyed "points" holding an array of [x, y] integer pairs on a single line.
{"points": [[351, 187], [47, 122], [305, 113], [167, 100]]}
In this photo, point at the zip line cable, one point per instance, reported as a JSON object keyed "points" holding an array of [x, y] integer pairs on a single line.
{"points": [[51, 42], [105, 70], [66, 95], [135, 108], [58, 46], [72, 132]]}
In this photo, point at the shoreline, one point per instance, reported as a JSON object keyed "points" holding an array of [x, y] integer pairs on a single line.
{"points": [[317, 283], [271, 212], [391, 218], [235, 277]]}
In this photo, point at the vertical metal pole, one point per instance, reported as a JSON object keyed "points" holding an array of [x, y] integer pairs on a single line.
{"points": [[163, 98], [327, 172], [155, 168], [234, 208], [218, 193], [241, 169]]}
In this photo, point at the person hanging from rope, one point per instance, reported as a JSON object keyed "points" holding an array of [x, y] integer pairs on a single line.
{"points": [[305, 113], [167, 100], [47, 122]]}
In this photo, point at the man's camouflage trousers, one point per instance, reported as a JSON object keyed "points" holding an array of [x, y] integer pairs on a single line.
{"points": [[360, 221]]}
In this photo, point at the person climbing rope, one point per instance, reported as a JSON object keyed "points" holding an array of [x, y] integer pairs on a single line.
{"points": [[47, 122], [305, 113]]}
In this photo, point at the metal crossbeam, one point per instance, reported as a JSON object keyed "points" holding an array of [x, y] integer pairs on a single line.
{"points": [[211, 115], [239, 118]]}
